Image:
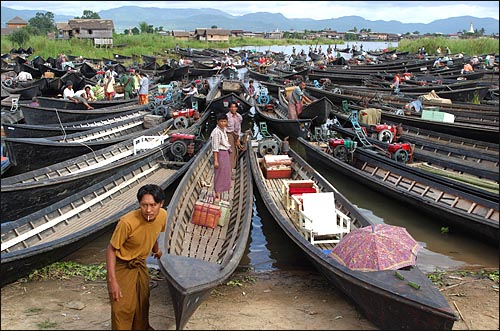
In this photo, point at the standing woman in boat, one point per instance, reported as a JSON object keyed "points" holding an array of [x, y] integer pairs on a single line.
{"points": [[233, 129], [134, 238], [109, 86], [221, 148], [143, 88], [297, 97]]}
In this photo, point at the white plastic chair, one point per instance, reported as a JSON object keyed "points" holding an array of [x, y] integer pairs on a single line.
{"points": [[320, 218], [14, 105]]}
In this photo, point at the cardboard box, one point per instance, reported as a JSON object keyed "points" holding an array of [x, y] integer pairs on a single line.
{"points": [[231, 86], [437, 116], [278, 172], [48, 74]]}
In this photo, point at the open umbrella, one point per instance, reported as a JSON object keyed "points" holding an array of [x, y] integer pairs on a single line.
{"points": [[377, 247]]}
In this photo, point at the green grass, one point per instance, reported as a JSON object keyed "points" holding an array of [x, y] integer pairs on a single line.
{"points": [[149, 44], [469, 47], [47, 324]]}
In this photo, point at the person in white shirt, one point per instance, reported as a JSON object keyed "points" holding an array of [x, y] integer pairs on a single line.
{"points": [[69, 94], [86, 93]]}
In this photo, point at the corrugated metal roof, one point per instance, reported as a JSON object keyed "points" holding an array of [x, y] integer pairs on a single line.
{"points": [[91, 24]]}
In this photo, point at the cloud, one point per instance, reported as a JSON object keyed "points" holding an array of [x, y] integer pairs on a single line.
{"points": [[403, 11]]}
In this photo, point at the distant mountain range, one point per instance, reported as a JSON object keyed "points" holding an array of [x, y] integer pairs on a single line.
{"points": [[191, 19]]}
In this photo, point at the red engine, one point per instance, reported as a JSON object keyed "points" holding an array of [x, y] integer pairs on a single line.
{"points": [[385, 132], [184, 112], [400, 152], [334, 142], [392, 148], [180, 136], [380, 127]]}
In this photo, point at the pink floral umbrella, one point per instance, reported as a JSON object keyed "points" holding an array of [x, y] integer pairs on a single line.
{"points": [[377, 247]]}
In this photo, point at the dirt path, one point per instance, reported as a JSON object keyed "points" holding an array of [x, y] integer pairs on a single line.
{"points": [[272, 300]]}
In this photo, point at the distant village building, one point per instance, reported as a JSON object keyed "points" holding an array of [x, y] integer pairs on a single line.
{"points": [[220, 35], [181, 35], [15, 23], [99, 30], [274, 35]]}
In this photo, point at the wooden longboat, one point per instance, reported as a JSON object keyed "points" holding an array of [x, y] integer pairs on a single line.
{"points": [[383, 298], [196, 259], [264, 76], [45, 115], [202, 72], [466, 110], [478, 132], [59, 103], [318, 110], [451, 161], [28, 154], [25, 93], [377, 83], [180, 73], [464, 207], [87, 70], [56, 231], [33, 190], [220, 104], [276, 116], [18, 130]]}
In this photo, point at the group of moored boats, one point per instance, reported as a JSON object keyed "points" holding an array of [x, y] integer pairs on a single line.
{"points": [[73, 172]]}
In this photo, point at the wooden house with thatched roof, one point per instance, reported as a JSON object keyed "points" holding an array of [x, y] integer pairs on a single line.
{"points": [[181, 35], [221, 35], [13, 24]]}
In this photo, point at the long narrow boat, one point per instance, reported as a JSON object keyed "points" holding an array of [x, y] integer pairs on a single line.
{"points": [[471, 131], [276, 116], [25, 93], [383, 298], [68, 104], [28, 154], [196, 259], [462, 206], [56, 231], [18, 130], [456, 160], [47, 115], [33, 190], [318, 110]]}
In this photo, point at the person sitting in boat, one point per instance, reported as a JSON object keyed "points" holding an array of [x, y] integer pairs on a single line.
{"points": [[296, 100], [86, 93], [251, 90], [437, 63], [34, 102], [192, 90], [467, 68], [69, 94], [396, 82]]}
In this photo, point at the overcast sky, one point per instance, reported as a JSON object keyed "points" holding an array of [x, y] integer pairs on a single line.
{"points": [[403, 11]]}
